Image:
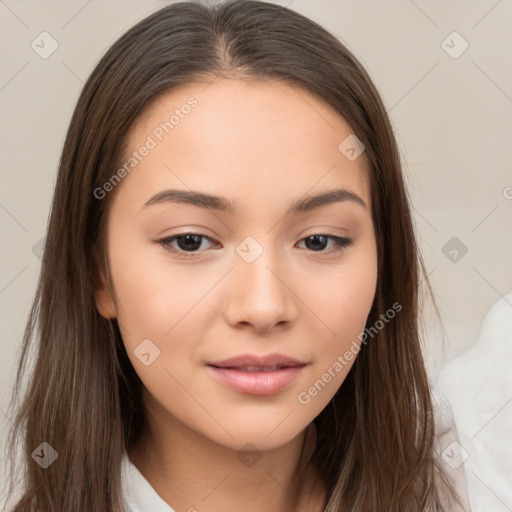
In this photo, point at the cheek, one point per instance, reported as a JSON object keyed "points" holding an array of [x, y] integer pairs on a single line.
{"points": [[343, 300], [152, 294]]}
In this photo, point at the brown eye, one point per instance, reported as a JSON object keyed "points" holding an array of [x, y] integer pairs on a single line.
{"points": [[317, 242], [186, 242]]}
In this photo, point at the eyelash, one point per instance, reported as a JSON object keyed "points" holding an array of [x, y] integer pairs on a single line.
{"points": [[340, 242]]}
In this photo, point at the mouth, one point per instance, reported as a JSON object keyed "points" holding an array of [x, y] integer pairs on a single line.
{"points": [[248, 368], [261, 378], [255, 362]]}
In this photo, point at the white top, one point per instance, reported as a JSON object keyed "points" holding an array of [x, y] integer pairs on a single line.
{"points": [[139, 496], [478, 382]]}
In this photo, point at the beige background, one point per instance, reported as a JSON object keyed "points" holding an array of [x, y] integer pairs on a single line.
{"points": [[452, 116]]}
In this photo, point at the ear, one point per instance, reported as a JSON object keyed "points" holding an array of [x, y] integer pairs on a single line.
{"points": [[103, 297]]}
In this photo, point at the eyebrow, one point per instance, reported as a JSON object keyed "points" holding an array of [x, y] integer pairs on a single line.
{"points": [[221, 204]]}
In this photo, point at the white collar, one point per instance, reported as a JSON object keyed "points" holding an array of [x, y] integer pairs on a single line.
{"points": [[138, 494]]}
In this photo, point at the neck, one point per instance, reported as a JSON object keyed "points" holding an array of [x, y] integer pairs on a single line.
{"points": [[190, 471]]}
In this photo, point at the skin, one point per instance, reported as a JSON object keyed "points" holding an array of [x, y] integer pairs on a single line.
{"points": [[263, 145]]}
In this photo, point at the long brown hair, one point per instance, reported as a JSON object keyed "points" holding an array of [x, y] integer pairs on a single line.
{"points": [[375, 444]]}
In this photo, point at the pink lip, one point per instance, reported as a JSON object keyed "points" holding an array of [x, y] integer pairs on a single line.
{"points": [[255, 360], [256, 382]]}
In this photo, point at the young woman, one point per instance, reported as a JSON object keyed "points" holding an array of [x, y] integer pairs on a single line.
{"points": [[227, 313]]}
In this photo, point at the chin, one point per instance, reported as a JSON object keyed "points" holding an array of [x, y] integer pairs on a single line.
{"points": [[263, 438]]}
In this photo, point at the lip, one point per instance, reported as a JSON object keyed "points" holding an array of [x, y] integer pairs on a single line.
{"points": [[256, 382], [262, 382], [268, 360]]}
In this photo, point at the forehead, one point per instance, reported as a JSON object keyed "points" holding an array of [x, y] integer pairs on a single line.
{"points": [[248, 140]]}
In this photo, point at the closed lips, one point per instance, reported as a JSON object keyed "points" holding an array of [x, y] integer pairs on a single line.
{"points": [[253, 374], [248, 368], [257, 363]]}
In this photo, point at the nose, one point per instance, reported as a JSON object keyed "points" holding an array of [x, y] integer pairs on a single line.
{"points": [[261, 295]]}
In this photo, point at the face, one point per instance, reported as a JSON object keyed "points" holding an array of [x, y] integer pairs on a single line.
{"points": [[260, 270]]}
